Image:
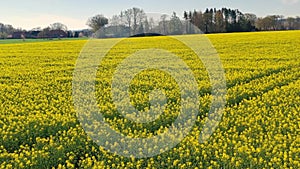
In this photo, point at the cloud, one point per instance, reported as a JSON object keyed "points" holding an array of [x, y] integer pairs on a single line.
{"points": [[289, 2], [45, 20]]}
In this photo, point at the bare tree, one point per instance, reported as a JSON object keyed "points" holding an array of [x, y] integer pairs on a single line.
{"points": [[272, 22], [3, 33], [45, 33], [58, 26], [175, 25], [115, 22], [134, 19], [151, 24], [128, 18], [97, 22], [163, 19], [136, 12], [252, 18], [290, 21], [138, 18], [146, 25]]}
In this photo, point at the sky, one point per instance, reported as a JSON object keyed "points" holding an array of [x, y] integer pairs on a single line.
{"points": [[28, 14]]}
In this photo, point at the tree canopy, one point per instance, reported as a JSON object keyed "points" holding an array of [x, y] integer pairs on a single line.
{"points": [[97, 22]]}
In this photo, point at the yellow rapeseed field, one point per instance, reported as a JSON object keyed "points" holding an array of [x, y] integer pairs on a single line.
{"points": [[260, 126]]}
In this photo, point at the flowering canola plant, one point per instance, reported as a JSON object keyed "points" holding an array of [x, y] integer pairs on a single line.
{"points": [[259, 129]]}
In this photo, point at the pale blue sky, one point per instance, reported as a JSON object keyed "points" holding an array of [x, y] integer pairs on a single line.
{"points": [[74, 13]]}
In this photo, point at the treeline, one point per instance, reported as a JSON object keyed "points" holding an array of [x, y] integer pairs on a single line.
{"points": [[6, 30], [229, 20], [134, 21], [223, 20], [55, 30]]}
